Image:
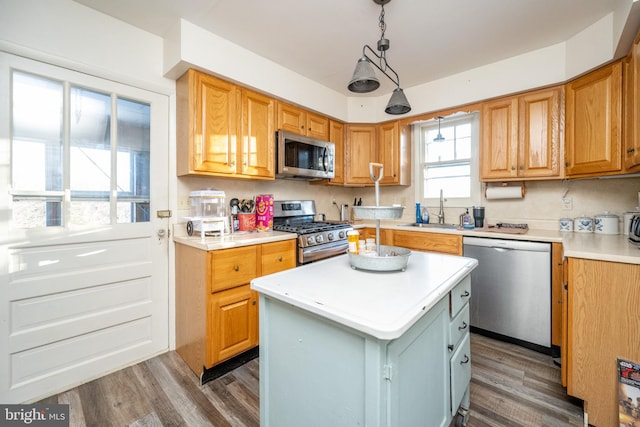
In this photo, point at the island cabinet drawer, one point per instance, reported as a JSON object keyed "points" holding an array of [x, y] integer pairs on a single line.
{"points": [[428, 242], [460, 372], [232, 267], [277, 256], [459, 296], [458, 328]]}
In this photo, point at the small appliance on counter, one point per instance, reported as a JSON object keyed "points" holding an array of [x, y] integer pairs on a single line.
{"points": [[208, 213], [634, 230]]}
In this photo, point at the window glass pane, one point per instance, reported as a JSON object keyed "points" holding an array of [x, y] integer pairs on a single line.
{"points": [[36, 149], [133, 161], [453, 179], [36, 212], [89, 212]]}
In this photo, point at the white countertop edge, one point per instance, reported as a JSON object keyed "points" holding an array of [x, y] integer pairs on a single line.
{"points": [[234, 240], [389, 331]]}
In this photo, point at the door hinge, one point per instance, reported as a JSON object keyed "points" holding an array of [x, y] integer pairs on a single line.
{"points": [[166, 213], [386, 372]]}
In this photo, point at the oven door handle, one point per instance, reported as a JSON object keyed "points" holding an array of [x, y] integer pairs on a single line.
{"points": [[315, 253]]}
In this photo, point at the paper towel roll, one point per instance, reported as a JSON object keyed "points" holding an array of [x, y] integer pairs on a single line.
{"points": [[512, 192]]}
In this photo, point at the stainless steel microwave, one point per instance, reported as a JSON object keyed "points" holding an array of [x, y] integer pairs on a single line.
{"points": [[302, 157]]}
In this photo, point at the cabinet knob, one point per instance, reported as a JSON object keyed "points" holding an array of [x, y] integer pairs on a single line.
{"points": [[513, 168], [631, 150], [450, 347], [236, 267], [463, 327], [521, 168], [466, 360], [280, 259], [253, 302]]}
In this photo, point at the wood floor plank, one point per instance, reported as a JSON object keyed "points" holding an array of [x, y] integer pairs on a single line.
{"points": [[510, 386]]}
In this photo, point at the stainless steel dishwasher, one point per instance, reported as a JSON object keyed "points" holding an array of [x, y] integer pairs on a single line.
{"points": [[511, 290]]}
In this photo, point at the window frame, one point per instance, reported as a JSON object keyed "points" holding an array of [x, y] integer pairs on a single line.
{"points": [[475, 185]]}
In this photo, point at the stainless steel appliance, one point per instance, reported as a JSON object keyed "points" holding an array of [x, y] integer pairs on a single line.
{"points": [[511, 290], [316, 239], [634, 230], [302, 157]]}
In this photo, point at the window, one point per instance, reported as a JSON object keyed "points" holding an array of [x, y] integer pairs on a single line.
{"points": [[449, 164], [78, 156]]}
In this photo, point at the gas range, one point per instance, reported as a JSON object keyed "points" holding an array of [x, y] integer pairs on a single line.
{"points": [[316, 239]]}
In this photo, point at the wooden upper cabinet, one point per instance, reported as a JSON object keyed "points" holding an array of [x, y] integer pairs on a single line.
{"points": [[361, 149], [499, 147], [594, 123], [631, 153], [388, 152], [223, 129], [303, 122], [207, 125], [522, 137], [257, 139], [336, 135]]}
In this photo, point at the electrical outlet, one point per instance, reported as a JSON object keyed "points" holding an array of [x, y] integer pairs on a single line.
{"points": [[567, 204], [183, 203]]}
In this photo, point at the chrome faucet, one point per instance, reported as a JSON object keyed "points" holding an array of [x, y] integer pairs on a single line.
{"points": [[440, 214]]}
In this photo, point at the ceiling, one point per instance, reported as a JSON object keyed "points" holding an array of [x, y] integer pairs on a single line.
{"points": [[322, 39]]}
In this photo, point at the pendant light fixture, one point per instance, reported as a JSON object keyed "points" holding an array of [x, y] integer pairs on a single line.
{"points": [[364, 79], [439, 138]]}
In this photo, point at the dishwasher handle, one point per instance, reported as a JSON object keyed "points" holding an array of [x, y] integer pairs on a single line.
{"points": [[521, 245]]}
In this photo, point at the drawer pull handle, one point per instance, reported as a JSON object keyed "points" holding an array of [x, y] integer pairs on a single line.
{"points": [[463, 327], [237, 267], [466, 360], [465, 294]]}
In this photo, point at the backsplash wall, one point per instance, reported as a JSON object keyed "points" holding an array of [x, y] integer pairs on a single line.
{"points": [[541, 207]]}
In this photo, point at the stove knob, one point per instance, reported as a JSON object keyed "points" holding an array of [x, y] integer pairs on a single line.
{"points": [[341, 235], [311, 240], [319, 238], [330, 236]]}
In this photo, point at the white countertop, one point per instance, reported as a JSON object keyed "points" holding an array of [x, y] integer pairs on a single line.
{"points": [[603, 247], [233, 240], [380, 304]]}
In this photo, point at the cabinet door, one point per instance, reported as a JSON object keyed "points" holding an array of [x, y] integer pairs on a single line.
{"points": [[540, 116], [291, 119], [277, 256], [593, 122], [429, 242], [499, 147], [317, 126], [389, 152], [234, 323], [232, 267], [257, 155], [336, 135], [361, 150], [632, 108], [207, 136]]}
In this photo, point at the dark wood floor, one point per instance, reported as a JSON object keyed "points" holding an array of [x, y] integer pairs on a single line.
{"points": [[510, 386]]}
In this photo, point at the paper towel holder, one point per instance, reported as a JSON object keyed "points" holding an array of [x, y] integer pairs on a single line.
{"points": [[521, 185]]}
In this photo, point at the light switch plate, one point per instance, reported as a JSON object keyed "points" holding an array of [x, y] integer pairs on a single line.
{"points": [[567, 204]]}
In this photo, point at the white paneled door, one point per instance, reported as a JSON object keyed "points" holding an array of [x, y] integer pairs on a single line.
{"points": [[83, 252]]}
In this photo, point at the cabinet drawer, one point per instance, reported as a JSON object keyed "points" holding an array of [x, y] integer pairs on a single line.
{"points": [[232, 267], [278, 256], [459, 326], [460, 295], [460, 372], [430, 242]]}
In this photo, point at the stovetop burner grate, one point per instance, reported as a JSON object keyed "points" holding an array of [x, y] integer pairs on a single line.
{"points": [[310, 227]]}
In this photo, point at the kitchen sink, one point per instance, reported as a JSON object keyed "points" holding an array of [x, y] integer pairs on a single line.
{"points": [[431, 225]]}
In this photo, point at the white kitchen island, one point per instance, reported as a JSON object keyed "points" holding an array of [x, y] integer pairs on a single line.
{"points": [[345, 347]]}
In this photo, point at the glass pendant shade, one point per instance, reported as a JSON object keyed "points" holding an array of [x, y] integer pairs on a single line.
{"points": [[398, 104], [364, 78]]}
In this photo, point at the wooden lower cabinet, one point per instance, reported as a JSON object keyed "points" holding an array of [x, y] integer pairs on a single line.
{"points": [[216, 310], [234, 323], [603, 325]]}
